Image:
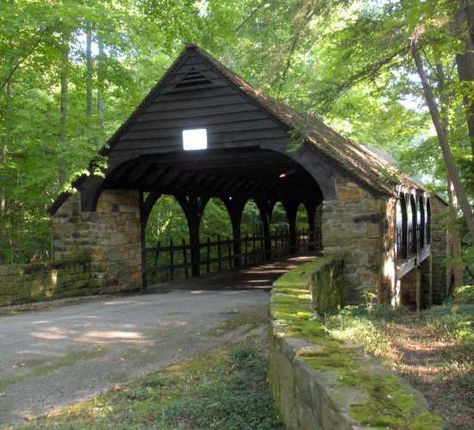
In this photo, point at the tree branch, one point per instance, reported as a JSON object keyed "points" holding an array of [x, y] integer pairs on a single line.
{"points": [[250, 16], [22, 59]]}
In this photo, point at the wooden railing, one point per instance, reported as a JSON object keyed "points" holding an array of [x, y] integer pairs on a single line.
{"points": [[170, 261]]}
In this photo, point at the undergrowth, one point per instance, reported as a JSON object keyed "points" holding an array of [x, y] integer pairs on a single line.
{"points": [[225, 389], [434, 349]]}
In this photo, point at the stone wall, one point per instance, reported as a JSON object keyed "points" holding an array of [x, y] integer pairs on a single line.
{"points": [[23, 283], [110, 238], [354, 224], [320, 383]]}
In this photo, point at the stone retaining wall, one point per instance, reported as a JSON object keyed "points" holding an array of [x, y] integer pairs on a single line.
{"points": [[24, 283], [320, 383]]}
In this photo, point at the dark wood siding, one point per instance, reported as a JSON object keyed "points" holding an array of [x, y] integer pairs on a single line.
{"points": [[198, 97]]}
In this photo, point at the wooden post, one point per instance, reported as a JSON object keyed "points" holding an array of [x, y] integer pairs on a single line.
{"points": [[193, 207], [155, 264], [208, 255], [142, 240], [171, 268], [219, 252], [266, 208], [235, 207], [185, 258], [430, 280], [311, 213], [145, 205], [418, 289], [291, 209], [246, 249], [254, 254], [229, 252]]}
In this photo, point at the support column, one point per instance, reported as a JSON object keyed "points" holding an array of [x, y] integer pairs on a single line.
{"points": [[353, 224], [193, 208], [314, 213], [318, 228], [266, 208], [146, 205], [109, 238], [235, 207], [291, 209]]}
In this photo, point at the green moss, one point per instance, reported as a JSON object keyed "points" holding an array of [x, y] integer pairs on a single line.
{"points": [[389, 405], [427, 421]]}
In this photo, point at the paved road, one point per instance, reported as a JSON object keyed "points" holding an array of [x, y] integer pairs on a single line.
{"points": [[51, 358]]}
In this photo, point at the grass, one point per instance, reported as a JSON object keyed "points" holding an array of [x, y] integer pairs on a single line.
{"points": [[434, 350], [225, 389], [35, 369]]}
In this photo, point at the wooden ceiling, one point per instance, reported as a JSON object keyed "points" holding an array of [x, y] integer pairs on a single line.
{"points": [[248, 172]]}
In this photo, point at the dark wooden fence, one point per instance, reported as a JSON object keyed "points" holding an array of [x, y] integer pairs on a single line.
{"points": [[170, 261]]}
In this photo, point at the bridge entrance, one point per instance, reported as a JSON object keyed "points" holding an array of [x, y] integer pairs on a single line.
{"points": [[204, 133]]}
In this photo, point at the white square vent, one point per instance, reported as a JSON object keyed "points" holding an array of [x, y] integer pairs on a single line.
{"points": [[194, 139]]}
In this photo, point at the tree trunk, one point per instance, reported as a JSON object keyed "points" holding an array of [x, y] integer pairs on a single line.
{"points": [[465, 66], [457, 265], [5, 142], [89, 85], [450, 164], [63, 108], [6, 137], [100, 91]]}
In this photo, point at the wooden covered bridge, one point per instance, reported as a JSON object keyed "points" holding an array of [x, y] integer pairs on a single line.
{"points": [[204, 132]]}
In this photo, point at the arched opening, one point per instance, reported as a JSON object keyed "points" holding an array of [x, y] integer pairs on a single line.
{"points": [[217, 250], [215, 220], [421, 221], [251, 222], [303, 234], [428, 221], [165, 242], [409, 234], [401, 228], [415, 225], [280, 231], [253, 240], [301, 218]]}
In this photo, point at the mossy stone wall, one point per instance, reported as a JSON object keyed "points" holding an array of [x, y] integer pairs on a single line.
{"points": [[320, 383], [24, 283]]}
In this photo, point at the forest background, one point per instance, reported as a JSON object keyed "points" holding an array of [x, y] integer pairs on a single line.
{"points": [[397, 76]]}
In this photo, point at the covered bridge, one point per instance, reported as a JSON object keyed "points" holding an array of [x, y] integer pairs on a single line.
{"points": [[204, 132]]}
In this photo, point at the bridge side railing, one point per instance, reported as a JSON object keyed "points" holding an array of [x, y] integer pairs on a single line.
{"points": [[169, 261]]}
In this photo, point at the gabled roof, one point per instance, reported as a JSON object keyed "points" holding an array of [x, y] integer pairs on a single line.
{"points": [[357, 161]]}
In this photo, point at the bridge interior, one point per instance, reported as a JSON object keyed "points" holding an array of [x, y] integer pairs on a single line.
{"points": [[234, 176]]}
